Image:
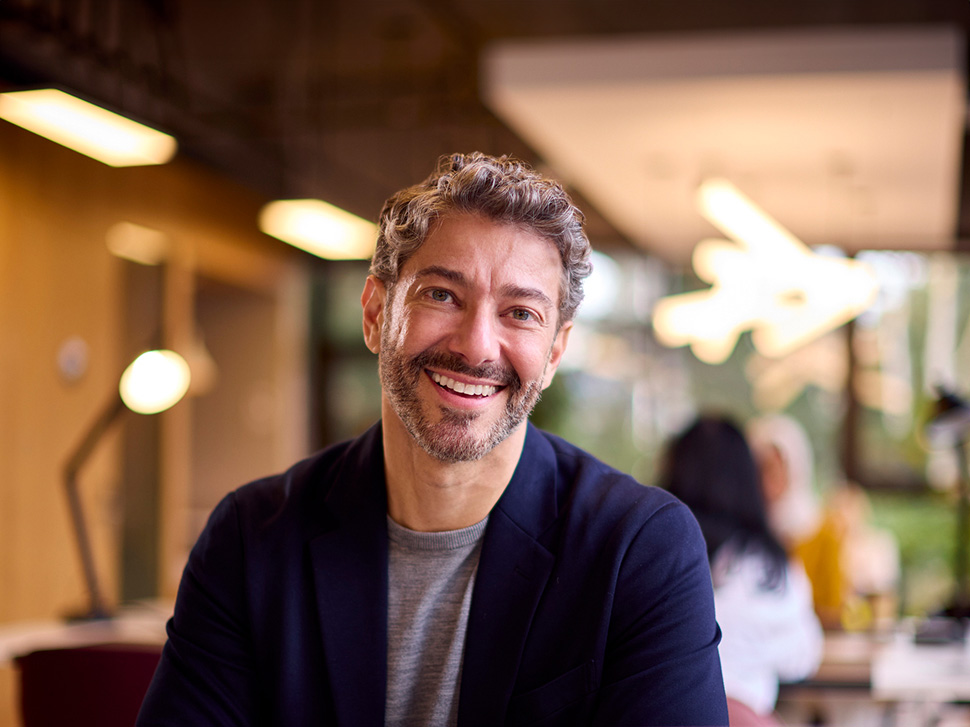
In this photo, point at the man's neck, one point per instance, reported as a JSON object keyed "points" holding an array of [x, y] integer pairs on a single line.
{"points": [[426, 494]]}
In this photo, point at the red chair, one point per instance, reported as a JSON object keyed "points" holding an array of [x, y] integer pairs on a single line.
{"points": [[741, 715], [99, 685]]}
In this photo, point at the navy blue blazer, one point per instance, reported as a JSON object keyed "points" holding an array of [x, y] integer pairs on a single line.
{"points": [[592, 603]]}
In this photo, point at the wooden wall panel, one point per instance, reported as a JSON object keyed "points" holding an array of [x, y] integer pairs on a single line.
{"points": [[58, 281]]}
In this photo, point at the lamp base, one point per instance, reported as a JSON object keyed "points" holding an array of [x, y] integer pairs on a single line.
{"points": [[92, 614]]}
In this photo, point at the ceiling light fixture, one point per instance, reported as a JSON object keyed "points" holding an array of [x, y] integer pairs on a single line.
{"points": [[766, 281], [319, 228], [86, 128]]}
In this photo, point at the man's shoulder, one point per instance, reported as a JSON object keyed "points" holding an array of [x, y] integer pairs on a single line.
{"points": [[589, 482], [308, 483], [602, 512]]}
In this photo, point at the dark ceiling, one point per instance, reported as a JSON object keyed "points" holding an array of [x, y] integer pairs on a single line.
{"points": [[349, 100]]}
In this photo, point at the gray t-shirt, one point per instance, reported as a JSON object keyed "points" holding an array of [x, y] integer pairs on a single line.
{"points": [[431, 576]]}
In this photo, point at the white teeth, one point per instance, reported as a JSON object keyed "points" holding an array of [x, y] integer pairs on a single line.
{"points": [[461, 388]]}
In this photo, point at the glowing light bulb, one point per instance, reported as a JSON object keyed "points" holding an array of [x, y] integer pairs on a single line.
{"points": [[154, 381]]}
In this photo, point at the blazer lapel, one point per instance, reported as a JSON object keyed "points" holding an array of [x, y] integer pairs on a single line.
{"points": [[350, 577], [511, 577]]}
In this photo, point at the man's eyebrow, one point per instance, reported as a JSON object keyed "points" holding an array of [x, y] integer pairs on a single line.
{"points": [[441, 272], [534, 294], [511, 291]]}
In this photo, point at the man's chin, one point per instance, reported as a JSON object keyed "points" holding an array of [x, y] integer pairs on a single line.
{"points": [[452, 447], [454, 439]]}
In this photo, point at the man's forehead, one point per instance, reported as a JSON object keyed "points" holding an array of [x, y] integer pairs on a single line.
{"points": [[459, 223]]}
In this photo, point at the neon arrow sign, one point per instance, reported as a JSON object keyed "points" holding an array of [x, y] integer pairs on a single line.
{"points": [[766, 281]]}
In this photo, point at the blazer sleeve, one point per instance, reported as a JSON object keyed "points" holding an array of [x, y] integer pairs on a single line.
{"points": [[206, 672], [662, 665]]}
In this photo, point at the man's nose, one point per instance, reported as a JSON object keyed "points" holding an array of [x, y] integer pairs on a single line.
{"points": [[477, 338]]}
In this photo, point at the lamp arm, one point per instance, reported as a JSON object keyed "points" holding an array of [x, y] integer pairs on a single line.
{"points": [[98, 429]]}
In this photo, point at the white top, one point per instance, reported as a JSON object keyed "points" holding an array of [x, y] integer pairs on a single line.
{"points": [[769, 635]]}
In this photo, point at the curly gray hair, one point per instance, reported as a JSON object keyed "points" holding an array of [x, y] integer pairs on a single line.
{"points": [[499, 188]]}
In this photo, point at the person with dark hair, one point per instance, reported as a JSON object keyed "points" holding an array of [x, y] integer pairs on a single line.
{"points": [[454, 565], [762, 599]]}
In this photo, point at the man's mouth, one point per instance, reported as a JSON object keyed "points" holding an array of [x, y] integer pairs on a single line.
{"points": [[458, 387]]}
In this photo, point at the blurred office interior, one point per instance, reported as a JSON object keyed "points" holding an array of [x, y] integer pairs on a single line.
{"points": [[845, 121]]}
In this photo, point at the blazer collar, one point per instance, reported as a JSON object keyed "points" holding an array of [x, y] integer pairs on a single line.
{"points": [[515, 565], [531, 498], [349, 563]]}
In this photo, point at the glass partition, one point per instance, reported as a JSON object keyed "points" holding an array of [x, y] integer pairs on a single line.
{"points": [[862, 392]]}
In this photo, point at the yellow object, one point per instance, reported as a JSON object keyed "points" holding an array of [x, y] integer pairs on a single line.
{"points": [[820, 554]]}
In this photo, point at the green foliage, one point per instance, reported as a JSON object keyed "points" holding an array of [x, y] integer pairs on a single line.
{"points": [[924, 526]]}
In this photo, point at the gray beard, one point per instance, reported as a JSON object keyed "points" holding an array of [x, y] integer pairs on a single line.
{"points": [[450, 439]]}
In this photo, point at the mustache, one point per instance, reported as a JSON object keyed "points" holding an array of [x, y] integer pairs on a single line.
{"points": [[503, 375]]}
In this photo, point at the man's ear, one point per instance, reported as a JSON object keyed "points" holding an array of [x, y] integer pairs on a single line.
{"points": [[372, 301], [555, 355]]}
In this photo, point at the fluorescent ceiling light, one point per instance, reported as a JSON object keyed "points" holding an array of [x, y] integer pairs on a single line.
{"points": [[86, 128], [319, 228]]}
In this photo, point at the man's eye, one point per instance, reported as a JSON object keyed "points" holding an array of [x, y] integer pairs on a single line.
{"points": [[521, 314], [442, 296]]}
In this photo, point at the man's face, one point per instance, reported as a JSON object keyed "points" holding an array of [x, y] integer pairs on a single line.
{"points": [[468, 339]]}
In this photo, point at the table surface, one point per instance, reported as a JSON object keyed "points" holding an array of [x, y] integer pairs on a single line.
{"points": [[892, 667], [905, 671], [142, 623]]}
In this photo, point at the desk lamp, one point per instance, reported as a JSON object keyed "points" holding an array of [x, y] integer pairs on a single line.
{"points": [[950, 426], [152, 383]]}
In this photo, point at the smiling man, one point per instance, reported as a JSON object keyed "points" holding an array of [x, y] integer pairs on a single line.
{"points": [[454, 565]]}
